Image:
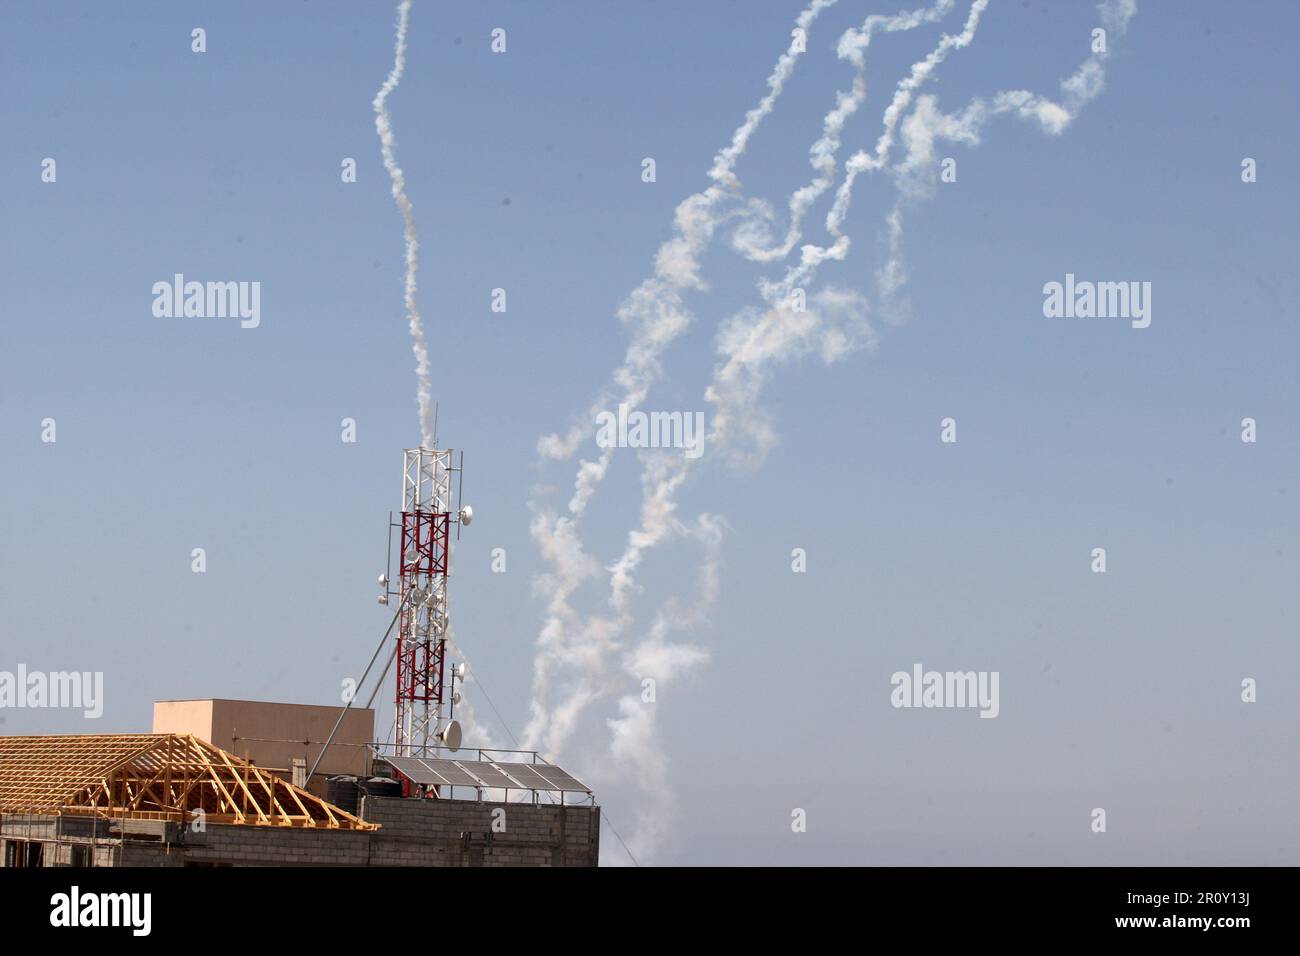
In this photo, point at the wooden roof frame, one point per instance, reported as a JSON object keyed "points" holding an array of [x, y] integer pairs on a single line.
{"points": [[154, 777]]}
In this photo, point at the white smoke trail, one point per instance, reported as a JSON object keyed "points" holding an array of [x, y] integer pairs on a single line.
{"points": [[475, 732], [383, 126], [655, 310], [752, 238], [568, 645], [725, 161], [635, 753], [755, 340], [752, 340], [812, 256], [914, 176], [656, 307], [657, 315], [834, 327]]}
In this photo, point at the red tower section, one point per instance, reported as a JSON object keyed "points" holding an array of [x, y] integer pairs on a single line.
{"points": [[423, 647]]}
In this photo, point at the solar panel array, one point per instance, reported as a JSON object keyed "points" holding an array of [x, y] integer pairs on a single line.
{"points": [[444, 772]]}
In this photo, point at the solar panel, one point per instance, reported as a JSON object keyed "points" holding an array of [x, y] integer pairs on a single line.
{"points": [[490, 776], [547, 777], [550, 777], [444, 772]]}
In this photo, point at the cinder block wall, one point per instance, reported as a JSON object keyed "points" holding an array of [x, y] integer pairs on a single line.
{"points": [[276, 846], [59, 837], [413, 833], [462, 833]]}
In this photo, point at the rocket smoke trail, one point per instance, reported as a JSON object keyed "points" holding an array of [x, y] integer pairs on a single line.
{"points": [[601, 653], [752, 341], [834, 327], [752, 238], [657, 315], [654, 310], [927, 125], [384, 126], [755, 339], [835, 323], [588, 643], [812, 255]]}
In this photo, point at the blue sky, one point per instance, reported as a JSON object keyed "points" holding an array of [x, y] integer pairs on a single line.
{"points": [[1119, 690]]}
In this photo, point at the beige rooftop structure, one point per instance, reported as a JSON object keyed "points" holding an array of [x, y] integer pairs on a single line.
{"points": [[273, 735]]}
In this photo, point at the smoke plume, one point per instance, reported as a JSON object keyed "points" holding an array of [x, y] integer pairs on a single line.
{"points": [[384, 126], [790, 323]]}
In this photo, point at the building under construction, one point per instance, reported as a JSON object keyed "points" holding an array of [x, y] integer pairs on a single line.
{"points": [[245, 783], [169, 799]]}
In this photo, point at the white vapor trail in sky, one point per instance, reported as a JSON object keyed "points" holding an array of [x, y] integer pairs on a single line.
{"points": [[752, 238], [655, 308], [635, 753], [829, 323], [754, 339], [812, 256], [915, 175], [656, 315], [474, 730], [384, 126], [834, 327]]}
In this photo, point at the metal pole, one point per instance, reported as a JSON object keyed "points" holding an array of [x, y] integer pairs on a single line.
{"points": [[383, 677], [348, 706]]}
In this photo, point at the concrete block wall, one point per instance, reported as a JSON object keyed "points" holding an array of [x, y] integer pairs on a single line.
{"points": [[412, 833], [22, 826], [277, 846], [59, 837], [462, 833]]}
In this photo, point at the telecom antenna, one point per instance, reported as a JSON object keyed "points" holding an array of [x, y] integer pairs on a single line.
{"points": [[424, 562]]}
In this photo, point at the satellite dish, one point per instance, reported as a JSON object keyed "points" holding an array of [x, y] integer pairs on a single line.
{"points": [[467, 515], [450, 735], [383, 580], [456, 698], [383, 599], [460, 670]]}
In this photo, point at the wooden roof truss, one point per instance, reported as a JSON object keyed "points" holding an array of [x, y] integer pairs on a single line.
{"points": [[154, 777]]}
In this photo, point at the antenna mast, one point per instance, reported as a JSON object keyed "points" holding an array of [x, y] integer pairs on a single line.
{"points": [[424, 560]]}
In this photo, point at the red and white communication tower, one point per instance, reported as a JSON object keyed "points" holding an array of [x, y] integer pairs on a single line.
{"points": [[429, 477]]}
